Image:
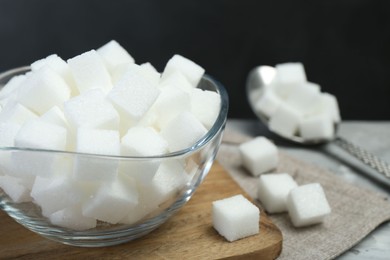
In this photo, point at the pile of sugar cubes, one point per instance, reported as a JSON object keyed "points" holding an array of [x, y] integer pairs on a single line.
{"points": [[236, 217], [296, 107], [100, 102]]}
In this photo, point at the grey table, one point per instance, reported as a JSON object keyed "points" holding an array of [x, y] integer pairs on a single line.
{"points": [[374, 137]]}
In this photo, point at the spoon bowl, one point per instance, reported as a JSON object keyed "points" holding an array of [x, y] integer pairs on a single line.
{"points": [[261, 76]]}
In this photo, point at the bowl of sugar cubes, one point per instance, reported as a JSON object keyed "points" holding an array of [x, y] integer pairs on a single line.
{"points": [[98, 150]]}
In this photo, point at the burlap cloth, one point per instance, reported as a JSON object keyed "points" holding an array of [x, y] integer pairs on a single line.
{"points": [[355, 210]]}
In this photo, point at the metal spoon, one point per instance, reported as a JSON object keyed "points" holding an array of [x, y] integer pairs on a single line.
{"points": [[263, 75]]}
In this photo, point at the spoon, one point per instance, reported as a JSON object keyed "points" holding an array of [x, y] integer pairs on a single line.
{"points": [[263, 75]]}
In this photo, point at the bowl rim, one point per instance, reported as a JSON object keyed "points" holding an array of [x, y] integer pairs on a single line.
{"points": [[218, 126]]}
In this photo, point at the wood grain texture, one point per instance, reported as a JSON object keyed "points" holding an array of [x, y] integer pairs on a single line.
{"points": [[187, 235]]}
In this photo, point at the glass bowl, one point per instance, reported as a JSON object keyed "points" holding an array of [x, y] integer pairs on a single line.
{"points": [[178, 176]]}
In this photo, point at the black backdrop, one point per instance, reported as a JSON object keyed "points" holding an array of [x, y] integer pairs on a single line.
{"points": [[344, 44]]}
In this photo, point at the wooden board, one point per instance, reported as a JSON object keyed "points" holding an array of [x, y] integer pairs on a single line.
{"points": [[187, 235]]}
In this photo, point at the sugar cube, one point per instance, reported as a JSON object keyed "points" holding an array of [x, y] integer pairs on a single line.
{"points": [[235, 217], [42, 90], [304, 97], [72, 218], [318, 126], [259, 155], [41, 135], [285, 120], [273, 189], [114, 54], [288, 75], [16, 113], [307, 205], [177, 80], [58, 65], [192, 71], [12, 86], [15, 189], [101, 142], [142, 141], [183, 131], [133, 96], [169, 104], [267, 103], [92, 110], [205, 105], [89, 72], [112, 201], [53, 194]]}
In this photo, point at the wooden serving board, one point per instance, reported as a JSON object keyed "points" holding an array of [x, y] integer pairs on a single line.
{"points": [[187, 235]]}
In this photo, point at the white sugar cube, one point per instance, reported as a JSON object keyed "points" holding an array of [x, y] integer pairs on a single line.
{"points": [[112, 201], [133, 96], [150, 72], [205, 105], [142, 141], [329, 103], [235, 218], [72, 218], [56, 194], [171, 102], [259, 155], [12, 86], [16, 113], [177, 80], [290, 73], [304, 97], [285, 120], [42, 90], [307, 205], [192, 71], [38, 134], [41, 135], [92, 110], [183, 131], [317, 126], [55, 116], [89, 72], [60, 66], [146, 70], [96, 141], [273, 189], [267, 103], [8, 132], [114, 54], [15, 189]]}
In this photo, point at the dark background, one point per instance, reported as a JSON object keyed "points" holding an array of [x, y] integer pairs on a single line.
{"points": [[344, 44]]}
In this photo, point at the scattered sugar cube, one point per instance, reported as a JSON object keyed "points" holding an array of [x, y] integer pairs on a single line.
{"points": [[307, 205], [235, 218], [285, 120], [183, 131], [16, 113], [273, 189], [112, 201], [114, 54], [205, 105], [267, 103], [259, 155], [72, 218], [89, 72], [54, 194], [142, 141], [171, 102], [133, 96], [92, 110], [318, 126], [58, 65], [42, 90], [192, 71], [14, 189], [96, 141]]}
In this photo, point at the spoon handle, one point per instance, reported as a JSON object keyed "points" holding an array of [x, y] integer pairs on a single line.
{"points": [[364, 156]]}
